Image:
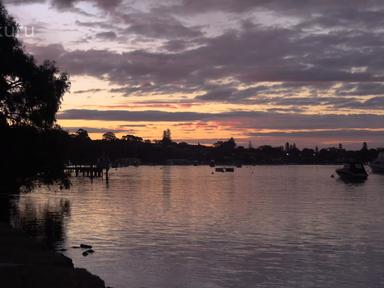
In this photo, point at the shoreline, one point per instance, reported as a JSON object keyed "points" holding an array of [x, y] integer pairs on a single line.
{"points": [[25, 263]]}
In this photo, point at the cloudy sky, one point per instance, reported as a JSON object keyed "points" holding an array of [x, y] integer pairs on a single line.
{"points": [[269, 71]]}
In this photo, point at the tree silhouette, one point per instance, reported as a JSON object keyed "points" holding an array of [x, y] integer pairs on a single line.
{"points": [[167, 139], [82, 134], [227, 145], [132, 138], [30, 94], [109, 136], [31, 146]]}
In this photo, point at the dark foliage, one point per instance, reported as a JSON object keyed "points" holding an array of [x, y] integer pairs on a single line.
{"points": [[82, 150], [29, 154], [30, 96]]}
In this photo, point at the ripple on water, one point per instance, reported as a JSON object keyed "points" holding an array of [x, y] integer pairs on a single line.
{"points": [[267, 226]]}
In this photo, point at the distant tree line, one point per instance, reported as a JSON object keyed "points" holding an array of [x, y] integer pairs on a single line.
{"points": [[81, 149]]}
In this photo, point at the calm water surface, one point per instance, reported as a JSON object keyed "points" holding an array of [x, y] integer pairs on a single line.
{"points": [[181, 227]]}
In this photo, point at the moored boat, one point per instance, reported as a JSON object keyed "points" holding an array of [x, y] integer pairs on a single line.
{"points": [[353, 171], [225, 169]]}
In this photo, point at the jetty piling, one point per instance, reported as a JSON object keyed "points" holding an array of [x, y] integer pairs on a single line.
{"points": [[91, 171]]}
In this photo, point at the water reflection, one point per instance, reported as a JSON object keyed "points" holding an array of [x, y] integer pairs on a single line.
{"points": [[166, 184], [43, 219], [185, 227], [351, 182]]}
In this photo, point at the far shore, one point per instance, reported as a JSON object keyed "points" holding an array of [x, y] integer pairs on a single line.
{"points": [[25, 263]]}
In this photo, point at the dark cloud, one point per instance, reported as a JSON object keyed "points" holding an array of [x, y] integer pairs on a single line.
{"points": [[67, 4], [245, 119], [52, 52], [360, 89], [230, 93], [219, 94], [95, 24], [20, 2], [123, 115], [286, 110], [157, 26], [250, 56], [290, 93], [375, 103], [96, 130], [138, 88], [88, 91], [323, 138], [330, 54], [290, 7], [177, 45], [110, 35], [323, 134]]}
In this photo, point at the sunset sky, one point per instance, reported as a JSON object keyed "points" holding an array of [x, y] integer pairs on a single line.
{"points": [[266, 71]]}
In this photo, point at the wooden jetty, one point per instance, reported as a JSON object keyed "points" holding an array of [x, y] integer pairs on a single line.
{"points": [[92, 171]]}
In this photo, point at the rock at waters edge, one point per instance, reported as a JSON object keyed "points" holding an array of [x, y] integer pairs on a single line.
{"points": [[27, 264]]}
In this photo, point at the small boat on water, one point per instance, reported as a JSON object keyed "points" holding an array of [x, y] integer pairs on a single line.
{"points": [[225, 169], [353, 171], [377, 166]]}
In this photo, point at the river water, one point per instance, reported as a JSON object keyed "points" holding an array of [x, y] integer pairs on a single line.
{"points": [[186, 227]]}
